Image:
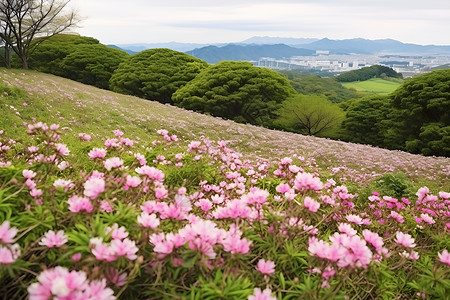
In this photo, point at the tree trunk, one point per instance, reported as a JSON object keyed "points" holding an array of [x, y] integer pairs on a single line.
{"points": [[24, 62], [7, 57]]}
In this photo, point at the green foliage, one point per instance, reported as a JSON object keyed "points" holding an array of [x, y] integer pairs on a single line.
{"points": [[222, 286], [237, 91], [363, 123], [92, 64], [420, 115], [49, 55], [307, 84], [374, 85], [395, 185], [311, 115], [366, 73], [155, 74]]}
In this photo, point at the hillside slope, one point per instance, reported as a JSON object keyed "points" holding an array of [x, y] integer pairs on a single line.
{"points": [[88, 109]]}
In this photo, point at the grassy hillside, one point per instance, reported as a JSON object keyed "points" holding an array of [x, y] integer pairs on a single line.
{"points": [[97, 112], [100, 203], [374, 85]]}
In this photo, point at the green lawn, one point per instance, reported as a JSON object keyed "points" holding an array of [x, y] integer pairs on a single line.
{"points": [[374, 85]]}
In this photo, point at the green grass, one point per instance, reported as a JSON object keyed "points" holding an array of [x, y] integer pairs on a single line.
{"points": [[83, 108], [374, 85]]}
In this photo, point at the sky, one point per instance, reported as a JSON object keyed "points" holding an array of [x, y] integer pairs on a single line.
{"points": [[422, 22]]}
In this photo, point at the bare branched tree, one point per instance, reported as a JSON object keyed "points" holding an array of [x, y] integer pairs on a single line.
{"points": [[24, 24]]}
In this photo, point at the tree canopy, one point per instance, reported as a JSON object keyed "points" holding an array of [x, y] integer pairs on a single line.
{"points": [[22, 21], [238, 91], [310, 115], [421, 115], [415, 117], [155, 74], [308, 84], [366, 73]]}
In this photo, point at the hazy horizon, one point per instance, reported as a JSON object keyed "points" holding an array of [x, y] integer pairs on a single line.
{"points": [[203, 21]]}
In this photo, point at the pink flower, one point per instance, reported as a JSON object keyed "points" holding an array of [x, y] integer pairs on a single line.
{"points": [[374, 239], [97, 153], [33, 149], [118, 133], [124, 248], [28, 174], [151, 173], [265, 267], [35, 193], [161, 193], [113, 162], [307, 181], [204, 204], [118, 233], [354, 219], [94, 187], [84, 136], [77, 204], [9, 253], [404, 239], [398, 217], [140, 158], [264, 295], [444, 257], [59, 283], [311, 204], [283, 188], [7, 233], [427, 218], [52, 239], [112, 275], [133, 181], [62, 149], [347, 229], [148, 220]]}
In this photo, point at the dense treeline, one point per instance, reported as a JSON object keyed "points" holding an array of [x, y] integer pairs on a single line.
{"points": [[79, 58], [307, 84], [366, 73], [155, 74], [237, 91], [414, 118]]}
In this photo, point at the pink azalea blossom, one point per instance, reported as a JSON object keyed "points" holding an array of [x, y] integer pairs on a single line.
{"points": [[265, 267], [427, 218], [113, 162], [77, 204], [125, 248], [261, 295], [148, 220], [398, 217], [28, 174], [311, 204], [97, 153], [404, 239], [117, 233], [52, 239], [62, 149], [151, 173], [7, 233], [307, 181], [118, 133], [141, 159], [36, 193], [60, 283], [9, 253], [444, 257], [94, 187]]}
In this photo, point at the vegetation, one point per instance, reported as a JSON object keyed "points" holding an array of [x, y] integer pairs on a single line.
{"points": [[155, 74], [237, 91], [307, 84], [22, 21], [374, 85], [168, 214], [414, 118], [310, 115], [421, 114], [375, 71]]}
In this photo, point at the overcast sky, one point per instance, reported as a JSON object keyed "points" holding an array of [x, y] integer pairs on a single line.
{"points": [[214, 21]]}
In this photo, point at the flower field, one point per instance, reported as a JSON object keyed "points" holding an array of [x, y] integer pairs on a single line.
{"points": [[94, 208]]}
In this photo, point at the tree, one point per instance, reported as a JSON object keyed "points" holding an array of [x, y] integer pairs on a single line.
{"points": [[155, 74], [366, 73], [92, 64], [420, 114], [311, 115], [236, 90], [364, 120], [24, 20]]}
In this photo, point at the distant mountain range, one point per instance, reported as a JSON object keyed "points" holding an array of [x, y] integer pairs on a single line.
{"points": [[276, 47], [214, 54]]}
